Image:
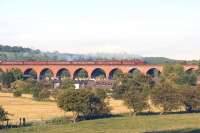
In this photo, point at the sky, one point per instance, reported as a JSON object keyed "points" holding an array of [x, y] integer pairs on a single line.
{"points": [[167, 28]]}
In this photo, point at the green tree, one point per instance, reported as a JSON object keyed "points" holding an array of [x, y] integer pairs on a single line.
{"points": [[17, 74], [100, 92], [188, 79], [126, 82], [10, 76], [176, 74], [67, 83], [137, 98], [190, 97], [41, 90], [81, 102], [166, 95], [173, 72], [133, 89]]}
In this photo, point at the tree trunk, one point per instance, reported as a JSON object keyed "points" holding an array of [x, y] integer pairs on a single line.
{"points": [[75, 116]]}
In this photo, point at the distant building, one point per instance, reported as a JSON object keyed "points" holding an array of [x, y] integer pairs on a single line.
{"points": [[101, 84], [56, 83]]}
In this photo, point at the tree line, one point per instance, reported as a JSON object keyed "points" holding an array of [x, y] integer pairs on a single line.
{"points": [[173, 90]]}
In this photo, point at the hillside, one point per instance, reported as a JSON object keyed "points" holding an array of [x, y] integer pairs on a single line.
{"points": [[21, 53]]}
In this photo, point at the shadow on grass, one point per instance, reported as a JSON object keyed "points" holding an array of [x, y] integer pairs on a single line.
{"points": [[178, 131], [168, 113], [14, 126]]}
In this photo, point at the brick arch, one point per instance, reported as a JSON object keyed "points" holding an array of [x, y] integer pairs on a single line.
{"points": [[27, 72], [189, 67], [189, 70], [134, 69], [102, 71], [59, 71], [151, 71], [78, 70], [43, 71], [110, 75]]}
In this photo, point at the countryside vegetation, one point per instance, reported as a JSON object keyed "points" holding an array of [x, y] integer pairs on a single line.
{"points": [[164, 102], [169, 95]]}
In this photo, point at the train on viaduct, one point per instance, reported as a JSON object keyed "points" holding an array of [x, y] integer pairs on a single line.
{"points": [[92, 69]]}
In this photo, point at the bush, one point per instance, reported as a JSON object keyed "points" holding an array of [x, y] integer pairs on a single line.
{"points": [[59, 120], [41, 90], [101, 93], [17, 93], [67, 84], [19, 84], [190, 98], [3, 114], [41, 94], [44, 94], [10, 76]]}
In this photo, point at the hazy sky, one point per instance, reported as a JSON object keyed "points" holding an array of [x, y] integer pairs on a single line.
{"points": [[169, 28]]}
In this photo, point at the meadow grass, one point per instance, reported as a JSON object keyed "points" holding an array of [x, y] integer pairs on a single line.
{"points": [[174, 123]]}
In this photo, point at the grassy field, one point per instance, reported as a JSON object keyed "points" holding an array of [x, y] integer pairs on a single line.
{"points": [[36, 111], [176, 123]]}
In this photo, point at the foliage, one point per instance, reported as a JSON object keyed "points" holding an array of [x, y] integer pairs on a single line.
{"points": [[166, 95], [82, 102], [41, 94], [19, 84], [3, 114], [10, 76], [133, 89], [188, 79], [58, 121], [100, 92], [190, 97], [126, 81], [41, 90], [82, 74], [137, 98], [176, 74], [67, 84], [17, 93], [117, 74], [31, 84]]}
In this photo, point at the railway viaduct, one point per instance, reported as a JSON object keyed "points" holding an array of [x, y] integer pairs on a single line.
{"points": [[39, 69]]}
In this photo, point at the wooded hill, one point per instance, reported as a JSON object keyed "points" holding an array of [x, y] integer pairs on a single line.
{"points": [[27, 54]]}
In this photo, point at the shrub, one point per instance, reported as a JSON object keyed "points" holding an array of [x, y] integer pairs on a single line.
{"points": [[59, 120], [190, 98], [41, 94], [100, 92], [17, 93], [67, 84], [3, 114], [44, 94], [19, 84]]}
